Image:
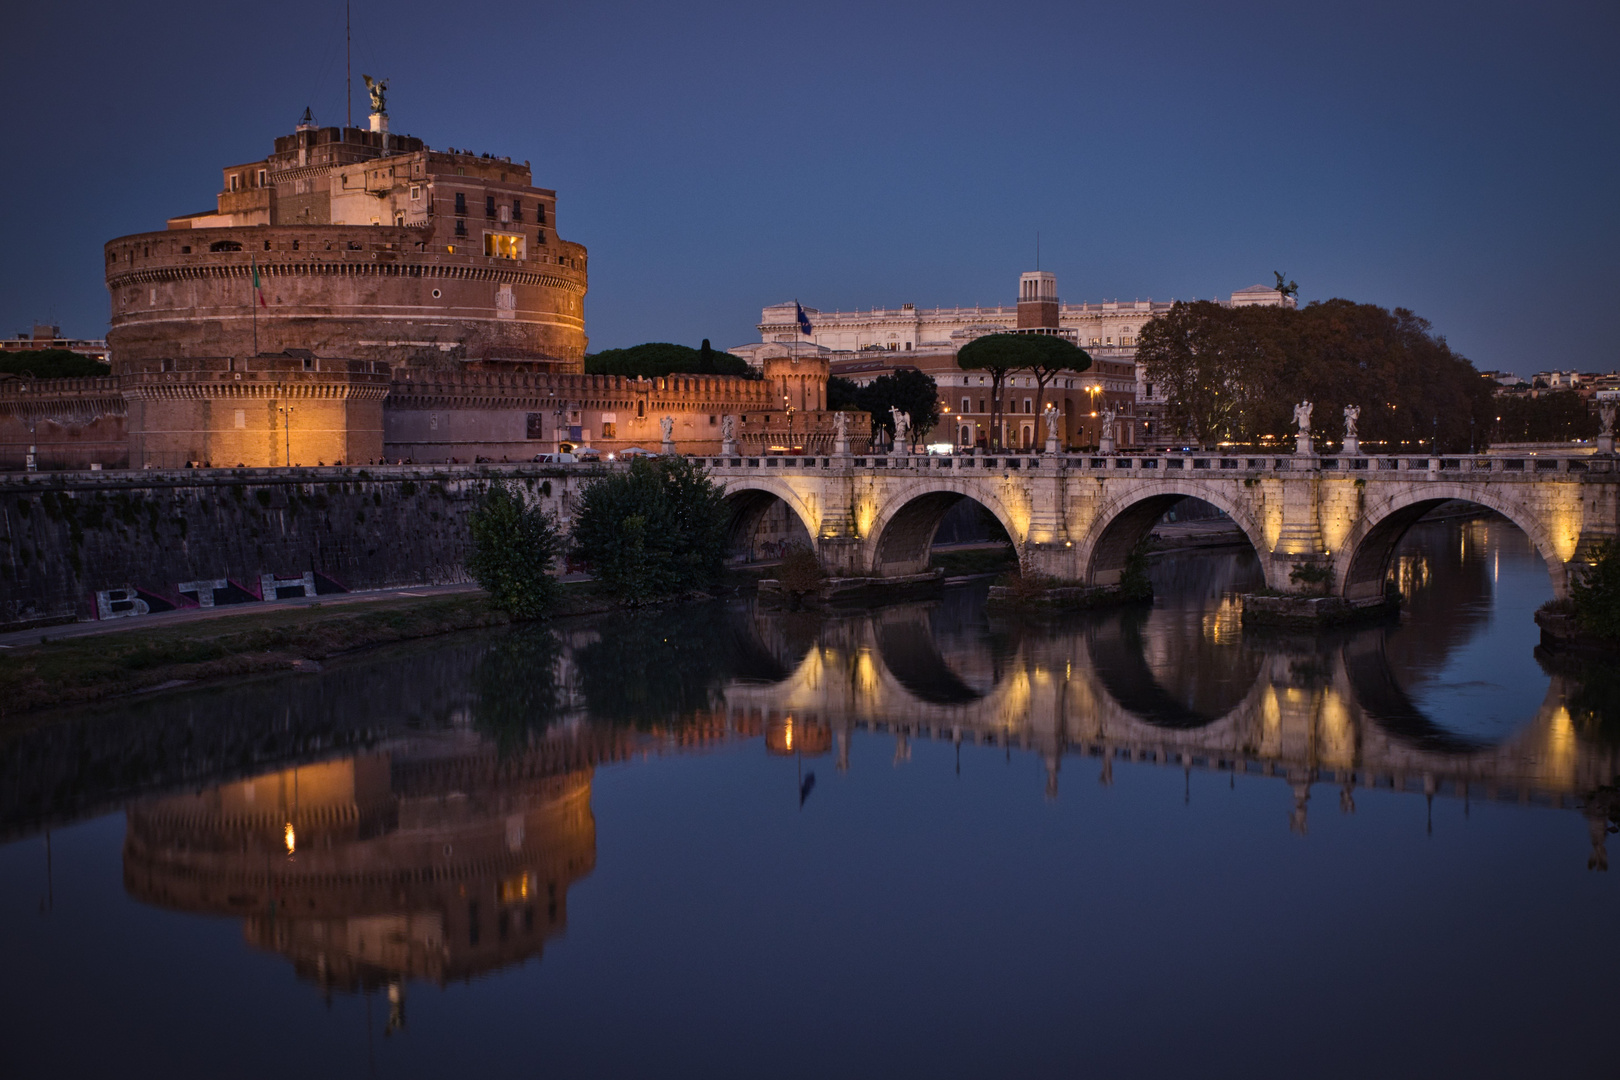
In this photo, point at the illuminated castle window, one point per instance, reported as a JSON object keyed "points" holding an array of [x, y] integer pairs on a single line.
{"points": [[503, 245]]}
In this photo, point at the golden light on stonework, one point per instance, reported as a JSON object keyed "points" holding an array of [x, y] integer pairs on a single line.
{"points": [[1272, 528], [1566, 529], [865, 514], [290, 838]]}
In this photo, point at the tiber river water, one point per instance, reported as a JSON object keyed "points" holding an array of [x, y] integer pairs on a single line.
{"points": [[917, 841]]}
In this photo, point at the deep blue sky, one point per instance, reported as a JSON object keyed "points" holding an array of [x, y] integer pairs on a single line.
{"points": [[1459, 160]]}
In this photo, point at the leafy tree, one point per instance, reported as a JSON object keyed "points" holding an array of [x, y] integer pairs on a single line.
{"points": [[1235, 374], [1001, 354], [843, 395], [1597, 593], [513, 548], [658, 358], [654, 531], [53, 364], [1559, 416], [907, 389], [1209, 364]]}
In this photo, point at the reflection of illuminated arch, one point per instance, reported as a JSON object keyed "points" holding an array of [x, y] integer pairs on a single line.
{"points": [[911, 655], [754, 661], [1125, 675], [1363, 560], [903, 529], [861, 669], [1119, 665], [1125, 521], [1386, 703]]}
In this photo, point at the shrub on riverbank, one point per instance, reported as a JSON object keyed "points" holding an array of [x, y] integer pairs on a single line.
{"points": [[1597, 594], [653, 531], [800, 574], [513, 546]]}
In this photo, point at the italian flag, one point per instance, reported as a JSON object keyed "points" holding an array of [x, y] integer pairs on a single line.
{"points": [[256, 289]]}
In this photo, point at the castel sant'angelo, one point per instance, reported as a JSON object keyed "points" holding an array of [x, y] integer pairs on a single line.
{"points": [[358, 297]]}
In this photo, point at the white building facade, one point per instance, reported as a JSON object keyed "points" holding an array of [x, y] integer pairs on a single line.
{"points": [[1107, 329]]}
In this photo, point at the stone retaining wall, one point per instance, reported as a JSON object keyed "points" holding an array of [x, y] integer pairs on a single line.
{"points": [[68, 536]]}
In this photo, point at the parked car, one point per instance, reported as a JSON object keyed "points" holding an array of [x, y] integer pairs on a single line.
{"points": [[586, 453], [556, 459]]}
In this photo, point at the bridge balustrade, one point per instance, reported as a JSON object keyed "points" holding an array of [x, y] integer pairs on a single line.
{"points": [[1184, 463]]}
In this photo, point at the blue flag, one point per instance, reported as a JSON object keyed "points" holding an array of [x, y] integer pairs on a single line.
{"points": [[804, 320]]}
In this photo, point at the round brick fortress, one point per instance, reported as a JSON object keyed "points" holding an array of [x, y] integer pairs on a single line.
{"points": [[381, 293]]}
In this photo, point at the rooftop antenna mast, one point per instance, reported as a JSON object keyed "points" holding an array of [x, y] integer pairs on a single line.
{"points": [[348, 69], [1037, 249]]}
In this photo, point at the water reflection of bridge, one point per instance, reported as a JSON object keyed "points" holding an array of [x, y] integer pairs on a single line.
{"points": [[1196, 694]]}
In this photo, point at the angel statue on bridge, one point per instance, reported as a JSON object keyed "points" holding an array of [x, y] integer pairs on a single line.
{"points": [[1352, 413], [1302, 415], [841, 425], [728, 427], [1606, 415], [1050, 415], [902, 427]]}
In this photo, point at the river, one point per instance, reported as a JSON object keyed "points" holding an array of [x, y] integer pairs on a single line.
{"points": [[920, 840]]}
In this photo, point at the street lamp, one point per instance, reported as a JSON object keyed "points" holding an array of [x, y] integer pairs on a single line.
{"points": [[286, 413]]}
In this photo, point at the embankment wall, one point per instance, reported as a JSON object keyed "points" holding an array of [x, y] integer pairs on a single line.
{"points": [[64, 537]]}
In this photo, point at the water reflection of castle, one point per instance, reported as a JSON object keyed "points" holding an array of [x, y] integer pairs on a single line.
{"points": [[433, 860]]}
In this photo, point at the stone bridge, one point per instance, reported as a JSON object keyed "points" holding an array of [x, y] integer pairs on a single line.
{"points": [[1078, 517]]}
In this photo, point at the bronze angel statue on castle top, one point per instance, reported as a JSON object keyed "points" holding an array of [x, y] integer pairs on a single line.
{"points": [[377, 89]]}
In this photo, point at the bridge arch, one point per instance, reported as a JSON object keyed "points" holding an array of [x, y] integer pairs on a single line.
{"points": [[1362, 562], [750, 499], [1124, 521], [902, 532]]}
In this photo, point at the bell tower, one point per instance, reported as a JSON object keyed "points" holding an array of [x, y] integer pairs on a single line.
{"points": [[1037, 300]]}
